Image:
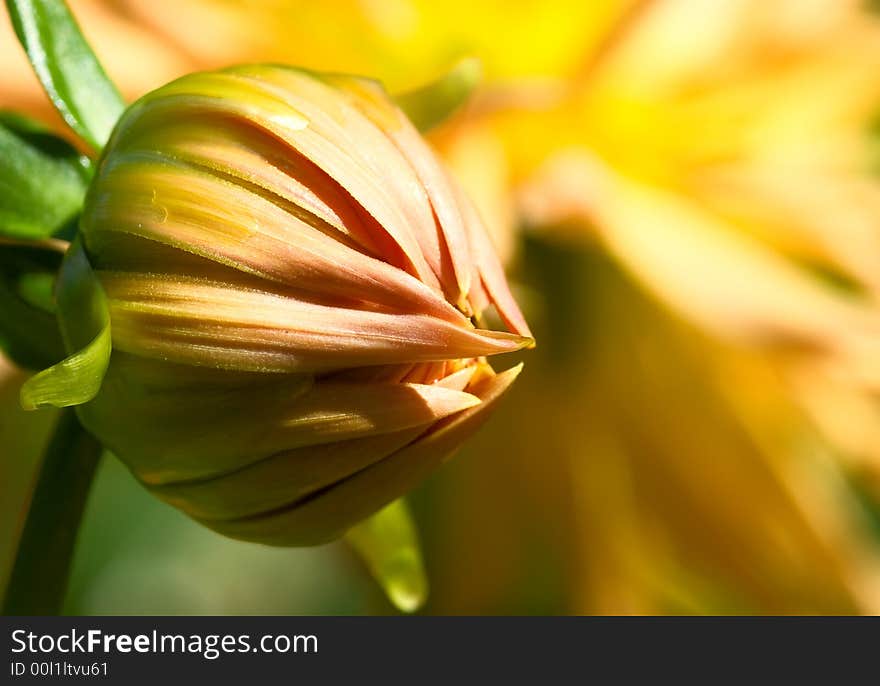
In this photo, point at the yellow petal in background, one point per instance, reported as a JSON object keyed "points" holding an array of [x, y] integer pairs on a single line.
{"points": [[719, 153]]}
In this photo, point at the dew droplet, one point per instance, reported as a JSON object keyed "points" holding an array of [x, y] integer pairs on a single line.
{"points": [[291, 122], [161, 210]]}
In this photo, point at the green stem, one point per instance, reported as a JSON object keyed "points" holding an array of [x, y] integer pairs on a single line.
{"points": [[42, 566]]}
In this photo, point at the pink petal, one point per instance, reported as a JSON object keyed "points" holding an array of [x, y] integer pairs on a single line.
{"points": [[281, 479], [448, 236], [199, 213], [328, 513], [192, 321], [491, 272], [192, 431]]}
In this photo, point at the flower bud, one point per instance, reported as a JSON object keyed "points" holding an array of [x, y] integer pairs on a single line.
{"points": [[293, 284]]}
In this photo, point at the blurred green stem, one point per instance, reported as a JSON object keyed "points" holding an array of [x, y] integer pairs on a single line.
{"points": [[39, 578]]}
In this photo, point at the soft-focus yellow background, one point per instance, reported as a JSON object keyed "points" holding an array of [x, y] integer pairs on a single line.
{"points": [[687, 195]]}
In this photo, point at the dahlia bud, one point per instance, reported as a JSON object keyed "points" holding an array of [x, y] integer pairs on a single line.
{"points": [[294, 287]]}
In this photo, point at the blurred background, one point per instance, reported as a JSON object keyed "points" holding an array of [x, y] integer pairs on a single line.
{"points": [[687, 196]]}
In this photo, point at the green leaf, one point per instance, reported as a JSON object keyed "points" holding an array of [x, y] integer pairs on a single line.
{"points": [[389, 545], [85, 325], [68, 69], [43, 180], [435, 102], [29, 333]]}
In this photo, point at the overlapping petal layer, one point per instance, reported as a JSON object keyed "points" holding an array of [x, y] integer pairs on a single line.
{"points": [[293, 282]]}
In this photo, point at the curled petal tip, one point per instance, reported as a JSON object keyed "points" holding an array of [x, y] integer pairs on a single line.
{"points": [[508, 342]]}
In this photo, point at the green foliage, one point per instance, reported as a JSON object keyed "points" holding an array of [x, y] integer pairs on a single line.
{"points": [[68, 69], [43, 180], [29, 333], [38, 582], [868, 500]]}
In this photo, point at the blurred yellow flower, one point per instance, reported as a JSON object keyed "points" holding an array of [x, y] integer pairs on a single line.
{"points": [[722, 152], [718, 150], [729, 167], [400, 42]]}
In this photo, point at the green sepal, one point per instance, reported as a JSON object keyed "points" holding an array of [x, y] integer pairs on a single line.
{"points": [[435, 102], [68, 69], [389, 545], [85, 326]]}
